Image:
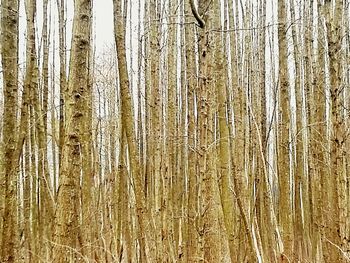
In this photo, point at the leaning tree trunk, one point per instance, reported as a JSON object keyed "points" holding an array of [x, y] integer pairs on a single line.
{"points": [[127, 122]]}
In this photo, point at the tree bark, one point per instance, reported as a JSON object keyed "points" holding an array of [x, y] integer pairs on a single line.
{"points": [[192, 179], [127, 117], [335, 228], [67, 228], [285, 204], [61, 6], [207, 151], [8, 160]]}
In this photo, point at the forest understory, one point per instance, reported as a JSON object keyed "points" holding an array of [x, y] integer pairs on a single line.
{"points": [[208, 131]]}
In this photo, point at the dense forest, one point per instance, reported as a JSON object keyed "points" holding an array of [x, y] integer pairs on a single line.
{"points": [[208, 131]]}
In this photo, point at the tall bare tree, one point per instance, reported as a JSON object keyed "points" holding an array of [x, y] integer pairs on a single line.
{"points": [[127, 121], [338, 135], [67, 227], [284, 177], [9, 165], [227, 144]]}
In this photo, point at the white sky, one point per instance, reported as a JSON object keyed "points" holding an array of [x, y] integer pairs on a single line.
{"points": [[103, 11], [103, 23], [103, 29]]}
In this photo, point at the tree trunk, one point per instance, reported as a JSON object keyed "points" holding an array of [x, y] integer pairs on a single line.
{"points": [[67, 231], [298, 160], [207, 151], [8, 165], [335, 228], [61, 6], [285, 204], [192, 178], [127, 117]]}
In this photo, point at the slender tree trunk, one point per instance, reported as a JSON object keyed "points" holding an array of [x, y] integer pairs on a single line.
{"points": [[192, 178], [61, 6], [127, 116], [266, 221], [26, 131], [35, 182], [310, 232], [337, 214], [123, 202], [224, 166], [88, 197], [32, 83], [316, 107], [156, 102], [54, 130], [285, 204], [298, 137], [45, 66], [171, 180], [8, 165], [27, 204], [207, 151]]}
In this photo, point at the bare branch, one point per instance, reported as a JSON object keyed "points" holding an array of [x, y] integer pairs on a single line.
{"points": [[195, 13]]}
